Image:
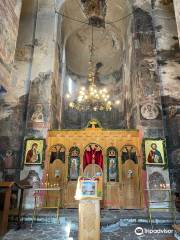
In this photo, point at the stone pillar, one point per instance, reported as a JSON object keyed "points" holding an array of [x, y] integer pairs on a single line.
{"points": [[43, 67], [177, 14], [147, 96], [169, 71], [44, 86]]}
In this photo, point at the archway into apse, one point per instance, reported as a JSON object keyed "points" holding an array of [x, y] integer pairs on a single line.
{"points": [[112, 51]]}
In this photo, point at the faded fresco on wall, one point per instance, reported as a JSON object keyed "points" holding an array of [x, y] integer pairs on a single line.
{"points": [[10, 159], [11, 175], [38, 114], [8, 28], [140, 105], [9, 22], [40, 89], [39, 103], [149, 111], [169, 69], [158, 179], [145, 74]]}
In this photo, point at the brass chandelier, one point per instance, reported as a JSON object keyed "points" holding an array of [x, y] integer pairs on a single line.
{"points": [[91, 98]]}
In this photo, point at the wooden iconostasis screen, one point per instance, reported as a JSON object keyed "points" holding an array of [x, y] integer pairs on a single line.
{"points": [[91, 154]]}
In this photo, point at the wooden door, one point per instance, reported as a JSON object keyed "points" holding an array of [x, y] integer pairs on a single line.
{"points": [[69, 195], [131, 185]]}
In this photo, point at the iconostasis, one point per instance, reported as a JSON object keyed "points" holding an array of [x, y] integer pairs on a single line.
{"points": [[93, 151]]}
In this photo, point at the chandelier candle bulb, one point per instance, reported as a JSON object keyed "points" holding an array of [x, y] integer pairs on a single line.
{"points": [[117, 102]]}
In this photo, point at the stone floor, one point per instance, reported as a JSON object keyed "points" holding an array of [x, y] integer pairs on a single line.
{"points": [[60, 232], [115, 225]]}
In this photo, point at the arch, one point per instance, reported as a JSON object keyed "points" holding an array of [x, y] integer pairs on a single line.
{"points": [[57, 152], [116, 30], [94, 123], [93, 155], [73, 163], [156, 180], [112, 164], [129, 152], [93, 143]]}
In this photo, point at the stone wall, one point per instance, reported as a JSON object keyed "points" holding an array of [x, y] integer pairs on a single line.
{"points": [[9, 22], [168, 55], [177, 14], [44, 90], [155, 72], [147, 109], [33, 82]]}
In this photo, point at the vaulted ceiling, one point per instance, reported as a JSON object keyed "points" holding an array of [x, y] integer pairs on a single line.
{"points": [[109, 41]]}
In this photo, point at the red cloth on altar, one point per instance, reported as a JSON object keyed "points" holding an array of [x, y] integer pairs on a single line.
{"points": [[92, 154]]}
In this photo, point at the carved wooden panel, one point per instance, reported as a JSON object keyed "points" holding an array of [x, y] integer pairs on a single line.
{"points": [[57, 173], [70, 191], [115, 195], [131, 185]]}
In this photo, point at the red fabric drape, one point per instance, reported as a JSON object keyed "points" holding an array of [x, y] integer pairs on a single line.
{"points": [[92, 155]]}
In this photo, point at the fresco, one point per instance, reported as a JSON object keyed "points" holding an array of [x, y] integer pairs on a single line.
{"points": [[158, 179], [149, 111], [151, 65], [10, 159], [38, 115]]}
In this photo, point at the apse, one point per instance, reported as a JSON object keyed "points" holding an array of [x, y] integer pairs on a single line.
{"points": [[111, 58]]}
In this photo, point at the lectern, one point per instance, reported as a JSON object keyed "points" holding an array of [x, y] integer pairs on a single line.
{"points": [[89, 194]]}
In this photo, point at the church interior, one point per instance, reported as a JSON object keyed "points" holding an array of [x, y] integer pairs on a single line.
{"points": [[94, 89]]}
